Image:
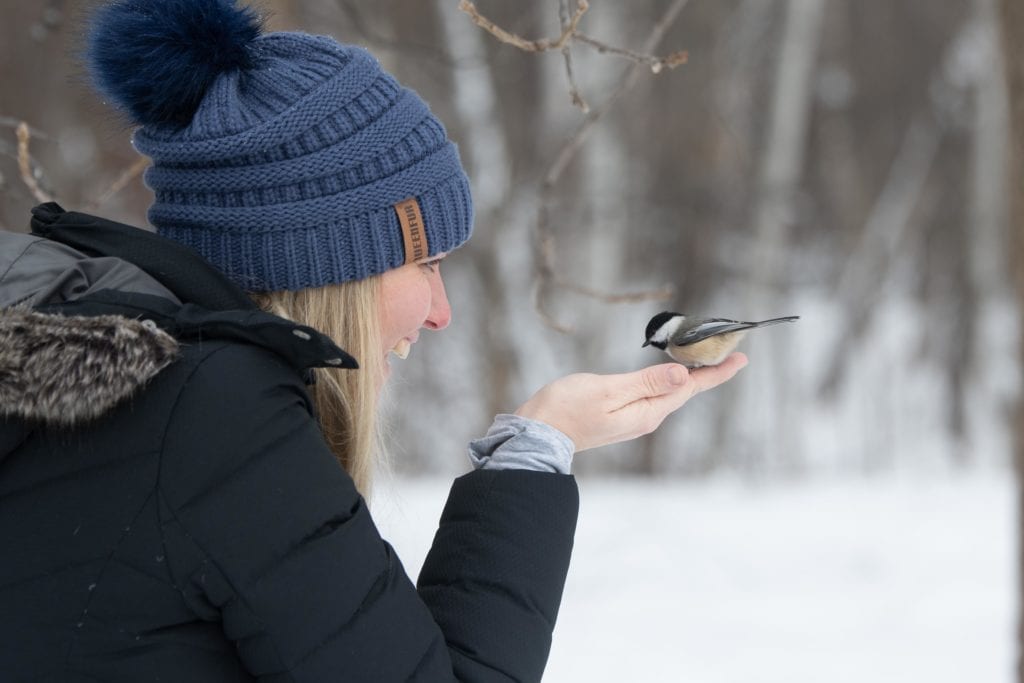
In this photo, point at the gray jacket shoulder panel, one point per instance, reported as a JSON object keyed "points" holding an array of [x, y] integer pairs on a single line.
{"points": [[35, 271]]}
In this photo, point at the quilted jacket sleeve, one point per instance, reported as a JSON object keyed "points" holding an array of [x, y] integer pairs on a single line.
{"points": [[493, 578], [267, 534]]}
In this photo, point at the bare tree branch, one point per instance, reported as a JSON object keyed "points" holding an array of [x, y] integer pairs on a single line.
{"points": [[574, 90], [571, 33], [626, 81], [539, 291], [546, 257], [656, 63], [542, 45], [25, 165], [30, 171], [8, 122], [128, 175]]}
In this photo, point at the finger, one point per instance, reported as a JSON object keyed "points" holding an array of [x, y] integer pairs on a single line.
{"points": [[710, 377], [657, 390], [698, 380]]}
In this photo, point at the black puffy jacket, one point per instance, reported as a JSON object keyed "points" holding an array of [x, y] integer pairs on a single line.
{"points": [[170, 512]]}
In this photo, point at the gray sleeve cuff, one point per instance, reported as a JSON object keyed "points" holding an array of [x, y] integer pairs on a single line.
{"points": [[519, 443]]}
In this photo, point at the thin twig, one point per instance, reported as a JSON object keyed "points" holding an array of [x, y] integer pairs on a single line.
{"points": [[547, 318], [8, 122], [574, 89], [542, 45], [571, 33], [545, 269], [25, 164], [128, 175], [671, 60]]}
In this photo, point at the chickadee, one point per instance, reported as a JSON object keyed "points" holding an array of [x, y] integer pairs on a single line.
{"points": [[696, 342]]}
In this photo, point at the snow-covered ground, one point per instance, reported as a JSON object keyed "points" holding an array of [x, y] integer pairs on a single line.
{"points": [[880, 580]]}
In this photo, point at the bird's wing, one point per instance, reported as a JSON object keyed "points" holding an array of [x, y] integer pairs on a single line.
{"points": [[711, 327]]}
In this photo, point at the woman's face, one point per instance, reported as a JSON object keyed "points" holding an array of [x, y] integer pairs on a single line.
{"points": [[412, 297]]}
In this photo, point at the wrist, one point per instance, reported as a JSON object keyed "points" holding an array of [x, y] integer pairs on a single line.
{"points": [[528, 412], [516, 442]]}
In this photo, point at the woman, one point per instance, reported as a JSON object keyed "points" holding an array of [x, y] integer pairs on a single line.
{"points": [[176, 404]]}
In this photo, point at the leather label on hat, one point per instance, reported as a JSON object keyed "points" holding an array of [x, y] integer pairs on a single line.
{"points": [[416, 247]]}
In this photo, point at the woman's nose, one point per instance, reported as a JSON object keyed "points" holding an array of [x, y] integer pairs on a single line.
{"points": [[440, 310]]}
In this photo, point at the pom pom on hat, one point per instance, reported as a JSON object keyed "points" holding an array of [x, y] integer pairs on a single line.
{"points": [[156, 59], [282, 158]]}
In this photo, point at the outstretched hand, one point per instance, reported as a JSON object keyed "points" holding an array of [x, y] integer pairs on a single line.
{"points": [[597, 410]]}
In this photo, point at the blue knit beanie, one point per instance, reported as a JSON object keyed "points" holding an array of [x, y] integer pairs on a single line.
{"points": [[287, 160]]}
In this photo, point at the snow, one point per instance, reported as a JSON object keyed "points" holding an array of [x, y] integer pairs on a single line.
{"points": [[893, 578]]}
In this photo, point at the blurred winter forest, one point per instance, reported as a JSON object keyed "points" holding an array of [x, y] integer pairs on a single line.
{"points": [[847, 161], [841, 160]]}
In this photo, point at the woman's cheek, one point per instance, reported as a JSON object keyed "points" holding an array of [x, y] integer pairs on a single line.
{"points": [[406, 313]]}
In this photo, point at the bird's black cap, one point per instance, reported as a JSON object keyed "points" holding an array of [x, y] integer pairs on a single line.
{"points": [[656, 322]]}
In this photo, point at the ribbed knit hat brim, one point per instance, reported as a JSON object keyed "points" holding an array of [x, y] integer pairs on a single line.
{"points": [[339, 249]]}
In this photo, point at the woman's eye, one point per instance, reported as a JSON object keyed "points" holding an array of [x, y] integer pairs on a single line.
{"points": [[432, 265]]}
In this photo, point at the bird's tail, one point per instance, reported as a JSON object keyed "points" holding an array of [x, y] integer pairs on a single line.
{"points": [[775, 321]]}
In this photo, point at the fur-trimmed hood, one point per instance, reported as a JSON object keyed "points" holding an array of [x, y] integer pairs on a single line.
{"points": [[64, 370]]}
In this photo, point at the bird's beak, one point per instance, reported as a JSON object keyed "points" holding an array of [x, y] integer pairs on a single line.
{"points": [[646, 343]]}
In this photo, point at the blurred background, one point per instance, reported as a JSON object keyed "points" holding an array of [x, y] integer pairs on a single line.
{"points": [[847, 504]]}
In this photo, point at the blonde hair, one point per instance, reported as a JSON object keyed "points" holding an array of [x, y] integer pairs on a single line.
{"points": [[345, 400]]}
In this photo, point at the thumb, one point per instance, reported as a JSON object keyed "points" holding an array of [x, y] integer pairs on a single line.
{"points": [[658, 380]]}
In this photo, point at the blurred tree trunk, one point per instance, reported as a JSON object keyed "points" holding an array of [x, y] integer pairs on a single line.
{"points": [[1012, 16], [781, 173], [988, 206]]}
